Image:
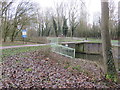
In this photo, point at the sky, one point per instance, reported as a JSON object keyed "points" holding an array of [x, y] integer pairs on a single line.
{"points": [[93, 6]]}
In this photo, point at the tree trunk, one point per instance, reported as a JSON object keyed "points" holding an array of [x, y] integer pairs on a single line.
{"points": [[39, 30], [12, 36], [48, 33], [72, 29], [5, 37], [5, 27], [119, 21], [55, 27], [42, 33], [110, 69], [119, 32]]}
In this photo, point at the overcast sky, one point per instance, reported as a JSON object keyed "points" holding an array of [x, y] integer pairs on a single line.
{"points": [[93, 6]]}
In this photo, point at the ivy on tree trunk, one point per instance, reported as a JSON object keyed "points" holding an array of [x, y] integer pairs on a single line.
{"points": [[110, 69]]}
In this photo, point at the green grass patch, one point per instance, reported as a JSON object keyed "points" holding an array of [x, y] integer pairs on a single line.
{"points": [[76, 67], [111, 77], [68, 40], [96, 41], [116, 41], [13, 51], [18, 61], [14, 44], [100, 41], [66, 67], [28, 69]]}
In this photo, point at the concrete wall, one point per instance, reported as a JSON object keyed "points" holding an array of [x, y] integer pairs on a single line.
{"points": [[91, 48], [116, 54], [95, 48]]}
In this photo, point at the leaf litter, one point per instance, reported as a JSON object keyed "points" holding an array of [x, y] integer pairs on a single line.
{"points": [[40, 70]]}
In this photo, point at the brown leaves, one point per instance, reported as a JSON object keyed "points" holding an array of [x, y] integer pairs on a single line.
{"points": [[40, 71]]}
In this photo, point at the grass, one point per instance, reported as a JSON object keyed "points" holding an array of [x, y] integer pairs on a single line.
{"points": [[95, 41], [18, 61], [15, 43], [68, 66], [91, 40], [65, 39], [13, 51], [28, 69], [68, 40], [77, 67]]}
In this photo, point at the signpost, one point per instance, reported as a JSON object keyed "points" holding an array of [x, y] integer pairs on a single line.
{"points": [[24, 34]]}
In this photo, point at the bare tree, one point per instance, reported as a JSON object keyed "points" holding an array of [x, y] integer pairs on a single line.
{"points": [[65, 27], [5, 19], [55, 26], [73, 16], [48, 20], [22, 18], [60, 12], [112, 19], [45, 22]]}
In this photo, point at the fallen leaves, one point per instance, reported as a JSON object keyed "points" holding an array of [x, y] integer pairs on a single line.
{"points": [[39, 71]]}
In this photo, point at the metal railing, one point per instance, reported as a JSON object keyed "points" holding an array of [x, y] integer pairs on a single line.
{"points": [[60, 49]]}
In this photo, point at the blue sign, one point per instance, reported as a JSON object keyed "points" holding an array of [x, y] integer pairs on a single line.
{"points": [[24, 33], [24, 36]]}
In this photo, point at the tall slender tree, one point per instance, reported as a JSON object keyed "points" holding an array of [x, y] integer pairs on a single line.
{"points": [[119, 31], [119, 21], [110, 69], [65, 27], [55, 26]]}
